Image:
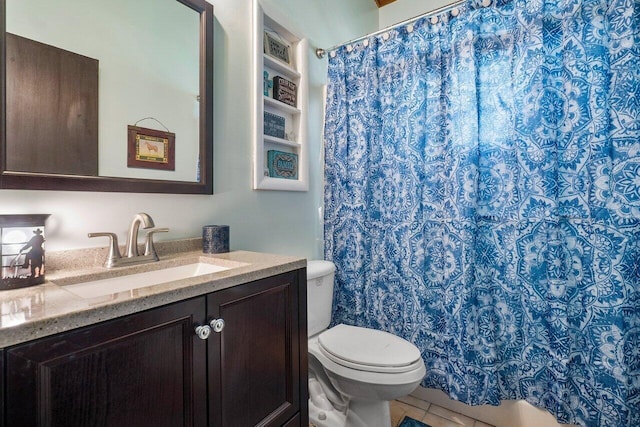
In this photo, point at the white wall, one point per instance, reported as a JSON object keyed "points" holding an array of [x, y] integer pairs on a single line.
{"points": [[279, 222]]}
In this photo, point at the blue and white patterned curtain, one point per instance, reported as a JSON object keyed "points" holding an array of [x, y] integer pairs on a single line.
{"points": [[482, 200]]}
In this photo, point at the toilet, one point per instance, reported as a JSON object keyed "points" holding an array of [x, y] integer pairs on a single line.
{"points": [[353, 372]]}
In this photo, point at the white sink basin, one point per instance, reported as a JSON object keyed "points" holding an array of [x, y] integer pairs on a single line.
{"points": [[113, 285]]}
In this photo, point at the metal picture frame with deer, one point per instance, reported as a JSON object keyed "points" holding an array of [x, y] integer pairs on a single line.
{"points": [[150, 148]]}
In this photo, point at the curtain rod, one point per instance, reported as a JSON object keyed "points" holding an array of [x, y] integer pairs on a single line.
{"points": [[320, 52]]}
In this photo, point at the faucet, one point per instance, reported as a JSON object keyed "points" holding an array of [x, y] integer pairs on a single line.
{"points": [[132, 239], [132, 256]]}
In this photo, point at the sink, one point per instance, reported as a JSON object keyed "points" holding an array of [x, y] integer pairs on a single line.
{"points": [[113, 285]]}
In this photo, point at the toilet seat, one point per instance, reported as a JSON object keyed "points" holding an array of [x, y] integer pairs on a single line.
{"points": [[368, 350]]}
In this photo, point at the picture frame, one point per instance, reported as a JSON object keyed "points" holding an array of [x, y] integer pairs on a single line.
{"points": [[150, 148], [276, 48]]}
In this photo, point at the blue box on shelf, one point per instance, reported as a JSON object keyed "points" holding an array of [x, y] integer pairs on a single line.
{"points": [[273, 125], [282, 164]]}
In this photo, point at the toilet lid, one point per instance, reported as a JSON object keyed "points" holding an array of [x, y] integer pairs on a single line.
{"points": [[368, 349]]}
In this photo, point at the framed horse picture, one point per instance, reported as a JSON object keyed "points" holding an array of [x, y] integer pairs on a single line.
{"points": [[150, 148]]}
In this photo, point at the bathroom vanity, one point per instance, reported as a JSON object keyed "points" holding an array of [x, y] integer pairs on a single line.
{"points": [[227, 348]]}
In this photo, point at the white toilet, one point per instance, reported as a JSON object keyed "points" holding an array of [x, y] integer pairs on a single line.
{"points": [[353, 372]]}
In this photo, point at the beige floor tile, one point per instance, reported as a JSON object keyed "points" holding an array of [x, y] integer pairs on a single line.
{"points": [[396, 404], [414, 401], [415, 413], [434, 415], [435, 421], [452, 416], [402, 405], [397, 412]]}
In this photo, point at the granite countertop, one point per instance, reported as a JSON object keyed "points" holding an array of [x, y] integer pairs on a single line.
{"points": [[47, 309]]}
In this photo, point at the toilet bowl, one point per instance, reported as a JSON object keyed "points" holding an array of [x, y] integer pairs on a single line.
{"points": [[353, 372]]}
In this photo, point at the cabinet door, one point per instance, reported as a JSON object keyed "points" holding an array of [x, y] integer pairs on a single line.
{"points": [[261, 379], [146, 369]]}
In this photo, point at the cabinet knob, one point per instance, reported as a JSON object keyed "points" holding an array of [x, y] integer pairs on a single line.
{"points": [[217, 325], [203, 331]]}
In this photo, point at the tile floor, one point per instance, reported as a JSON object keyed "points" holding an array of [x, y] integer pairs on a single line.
{"points": [[433, 415], [428, 413]]}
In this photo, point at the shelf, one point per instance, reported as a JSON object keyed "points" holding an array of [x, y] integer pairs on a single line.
{"points": [[295, 118], [280, 67], [281, 105], [280, 141], [269, 183]]}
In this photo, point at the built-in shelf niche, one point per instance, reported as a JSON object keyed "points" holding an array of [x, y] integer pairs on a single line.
{"points": [[295, 141]]}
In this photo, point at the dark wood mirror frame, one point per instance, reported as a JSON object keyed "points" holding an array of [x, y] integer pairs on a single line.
{"points": [[33, 181]]}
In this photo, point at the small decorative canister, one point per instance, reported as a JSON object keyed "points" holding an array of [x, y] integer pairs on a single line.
{"points": [[215, 239], [22, 240]]}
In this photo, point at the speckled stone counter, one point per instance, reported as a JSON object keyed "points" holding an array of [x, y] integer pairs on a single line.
{"points": [[35, 312]]}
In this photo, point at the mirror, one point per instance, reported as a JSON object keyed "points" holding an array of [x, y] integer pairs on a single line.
{"points": [[153, 72]]}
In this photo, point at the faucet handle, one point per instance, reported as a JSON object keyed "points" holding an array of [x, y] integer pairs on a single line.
{"points": [[114, 251], [149, 248]]}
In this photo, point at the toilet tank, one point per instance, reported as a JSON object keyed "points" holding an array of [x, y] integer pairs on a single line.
{"points": [[320, 277]]}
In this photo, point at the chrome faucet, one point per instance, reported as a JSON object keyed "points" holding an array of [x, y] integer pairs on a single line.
{"points": [[132, 256]]}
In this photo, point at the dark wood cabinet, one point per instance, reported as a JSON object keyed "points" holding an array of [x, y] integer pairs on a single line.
{"points": [[260, 340], [151, 369], [141, 370]]}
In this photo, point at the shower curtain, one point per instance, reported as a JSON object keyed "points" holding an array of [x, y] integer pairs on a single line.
{"points": [[482, 200]]}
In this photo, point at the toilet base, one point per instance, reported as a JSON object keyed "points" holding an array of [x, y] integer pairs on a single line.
{"points": [[363, 413], [359, 414], [326, 417]]}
